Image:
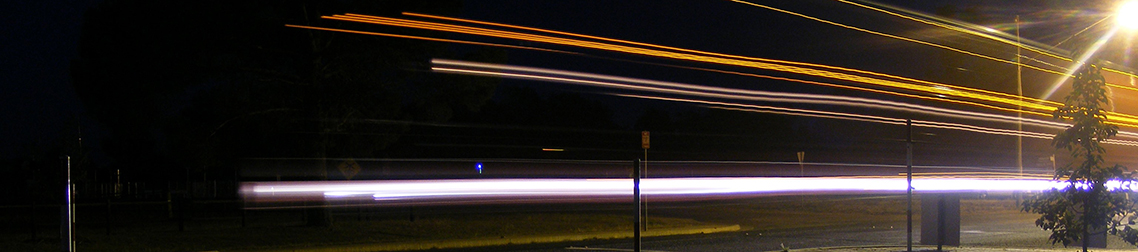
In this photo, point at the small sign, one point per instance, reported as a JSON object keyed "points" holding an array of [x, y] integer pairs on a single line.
{"points": [[349, 168], [644, 139]]}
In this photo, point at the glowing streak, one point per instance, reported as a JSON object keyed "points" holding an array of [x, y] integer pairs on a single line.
{"points": [[984, 94], [665, 188], [425, 38], [717, 54], [1079, 64], [994, 38], [899, 37], [697, 90], [954, 28], [715, 70], [670, 87], [963, 92], [1063, 75], [940, 98], [865, 118]]}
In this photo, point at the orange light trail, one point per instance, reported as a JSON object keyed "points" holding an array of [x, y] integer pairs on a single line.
{"points": [[531, 73], [937, 88], [486, 69], [1064, 74], [958, 29], [727, 55], [994, 38], [426, 38], [957, 91], [900, 37]]}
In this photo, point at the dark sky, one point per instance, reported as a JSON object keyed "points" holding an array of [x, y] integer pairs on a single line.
{"points": [[39, 40], [36, 99]]}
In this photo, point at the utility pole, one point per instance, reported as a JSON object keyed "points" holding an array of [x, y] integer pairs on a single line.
{"points": [[636, 199], [1019, 111], [67, 223], [644, 143], [909, 186]]}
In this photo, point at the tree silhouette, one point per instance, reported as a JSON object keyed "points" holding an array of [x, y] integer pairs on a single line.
{"points": [[1085, 205]]}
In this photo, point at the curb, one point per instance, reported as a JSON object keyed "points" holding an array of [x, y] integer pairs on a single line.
{"points": [[930, 248], [465, 243]]}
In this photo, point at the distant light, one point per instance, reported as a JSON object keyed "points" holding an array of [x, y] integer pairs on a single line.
{"points": [[989, 29], [478, 166], [1127, 15], [548, 149]]}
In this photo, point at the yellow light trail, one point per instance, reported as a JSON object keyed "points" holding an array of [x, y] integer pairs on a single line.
{"points": [[988, 36], [937, 88], [508, 71], [426, 38], [716, 70], [865, 118], [486, 69], [899, 37], [730, 56], [951, 90]]}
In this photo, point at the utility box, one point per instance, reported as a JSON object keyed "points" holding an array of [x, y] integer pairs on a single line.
{"points": [[940, 219]]}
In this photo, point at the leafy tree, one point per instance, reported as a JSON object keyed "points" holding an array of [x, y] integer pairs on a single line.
{"points": [[1085, 205]]}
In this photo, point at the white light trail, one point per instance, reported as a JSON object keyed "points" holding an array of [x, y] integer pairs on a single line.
{"points": [[569, 190], [531, 73]]}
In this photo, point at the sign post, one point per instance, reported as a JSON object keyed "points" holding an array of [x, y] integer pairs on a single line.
{"points": [[636, 199], [801, 170], [644, 144]]}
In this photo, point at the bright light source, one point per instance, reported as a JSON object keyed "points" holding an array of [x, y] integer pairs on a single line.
{"points": [[1127, 15]]}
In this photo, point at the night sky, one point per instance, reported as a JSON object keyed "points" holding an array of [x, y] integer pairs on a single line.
{"points": [[40, 39]]}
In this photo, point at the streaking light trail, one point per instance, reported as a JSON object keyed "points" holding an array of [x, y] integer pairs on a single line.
{"points": [[395, 192], [462, 67], [626, 83], [1010, 42], [758, 63], [767, 64], [900, 37]]}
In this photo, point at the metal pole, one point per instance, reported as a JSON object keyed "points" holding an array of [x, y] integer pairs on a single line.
{"points": [[939, 223], [644, 198], [1019, 111], [909, 187], [65, 232], [636, 198]]}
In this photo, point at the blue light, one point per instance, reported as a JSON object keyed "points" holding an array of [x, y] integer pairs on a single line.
{"points": [[478, 166]]}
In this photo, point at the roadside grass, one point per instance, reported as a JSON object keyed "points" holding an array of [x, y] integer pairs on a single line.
{"points": [[285, 229], [789, 213], [226, 234]]}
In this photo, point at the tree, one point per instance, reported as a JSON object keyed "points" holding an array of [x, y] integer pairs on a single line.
{"points": [[1085, 204]]}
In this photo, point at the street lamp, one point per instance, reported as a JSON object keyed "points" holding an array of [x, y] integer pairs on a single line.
{"points": [[1126, 16]]}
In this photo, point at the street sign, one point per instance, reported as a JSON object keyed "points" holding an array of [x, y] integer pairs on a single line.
{"points": [[349, 168], [644, 139]]}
